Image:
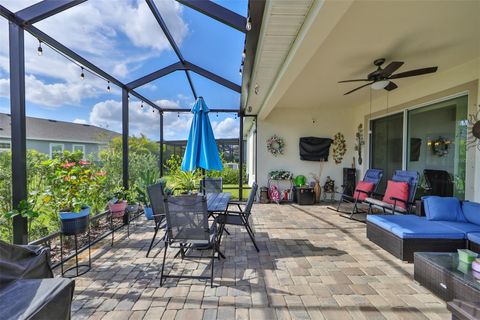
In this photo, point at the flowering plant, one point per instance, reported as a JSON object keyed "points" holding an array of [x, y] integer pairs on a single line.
{"points": [[72, 182], [275, 145], [280, 175]]}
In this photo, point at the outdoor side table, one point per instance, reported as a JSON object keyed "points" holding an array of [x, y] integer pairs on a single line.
{"points": [[440, 273]]}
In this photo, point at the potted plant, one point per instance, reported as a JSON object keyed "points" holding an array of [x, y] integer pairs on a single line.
{"points": [[185, 182], [74, 179], [118, 204], [146, 178]]}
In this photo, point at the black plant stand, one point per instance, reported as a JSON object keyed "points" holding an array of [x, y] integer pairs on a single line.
{"points": [[77, 266]]}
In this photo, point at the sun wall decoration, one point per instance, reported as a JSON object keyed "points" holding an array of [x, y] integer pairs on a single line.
{"points": [[473, 138]]}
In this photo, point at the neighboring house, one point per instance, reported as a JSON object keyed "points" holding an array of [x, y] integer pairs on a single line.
{"points": [[50, 136]]}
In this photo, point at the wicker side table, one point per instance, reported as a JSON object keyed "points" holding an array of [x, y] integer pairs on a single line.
{"points": [[439, 272], [462, 310]]}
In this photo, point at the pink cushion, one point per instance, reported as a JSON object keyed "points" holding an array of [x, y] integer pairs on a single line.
{"points": [[398, 190], [363, 186]]}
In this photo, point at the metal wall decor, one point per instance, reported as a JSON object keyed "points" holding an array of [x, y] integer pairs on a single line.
{"points": [[473, 136], [339, 147], [360, 142]]}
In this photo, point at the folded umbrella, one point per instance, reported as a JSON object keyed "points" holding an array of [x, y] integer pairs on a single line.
{"points": [[201, 150]]}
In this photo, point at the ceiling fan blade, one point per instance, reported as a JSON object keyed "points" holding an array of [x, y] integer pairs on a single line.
{"points": [[391, 68], [353, 80], [412, 73], [391, 86], [358, 88]]}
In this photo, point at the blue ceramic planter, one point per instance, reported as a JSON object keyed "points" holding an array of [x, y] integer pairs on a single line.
{"points": [[148, 213], [72, 223]]}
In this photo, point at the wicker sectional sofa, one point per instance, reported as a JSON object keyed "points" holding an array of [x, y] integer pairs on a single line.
{"points": [[403, 235]]}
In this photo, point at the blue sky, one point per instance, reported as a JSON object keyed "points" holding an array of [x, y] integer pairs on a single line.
{"points": [[128, 49]]}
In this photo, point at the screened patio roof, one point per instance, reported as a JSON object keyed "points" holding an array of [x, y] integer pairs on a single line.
{"points": [[155, 49]]}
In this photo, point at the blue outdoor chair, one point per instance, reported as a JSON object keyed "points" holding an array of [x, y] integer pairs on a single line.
{"points": [[372, 175], [410, 177]]}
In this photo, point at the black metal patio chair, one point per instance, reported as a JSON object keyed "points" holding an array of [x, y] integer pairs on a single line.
{"points": [[211, 185], [240, 217], [396, 205], [157, 197], [439, 183], [372, 179], [188, 228]]}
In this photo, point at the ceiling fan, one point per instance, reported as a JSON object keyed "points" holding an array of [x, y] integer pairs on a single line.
{"points": [[381, 78]]}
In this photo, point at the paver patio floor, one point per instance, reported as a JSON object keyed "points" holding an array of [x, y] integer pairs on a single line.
{"points": [[312, 264]]}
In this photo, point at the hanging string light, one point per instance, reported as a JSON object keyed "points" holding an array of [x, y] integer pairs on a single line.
{"points": [[248, 26], [141, 105], [178, 115], [108, 85], [244, 54], [82, 75], [217, 114], [39, 49], [235, 116]]}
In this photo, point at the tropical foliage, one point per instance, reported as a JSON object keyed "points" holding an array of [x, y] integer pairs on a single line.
{"points": [[69, 182]]}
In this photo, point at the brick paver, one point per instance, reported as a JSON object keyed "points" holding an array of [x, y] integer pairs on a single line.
{"points": [[312, 264]]}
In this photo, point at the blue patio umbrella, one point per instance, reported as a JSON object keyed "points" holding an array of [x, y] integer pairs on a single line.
{"points": [[201, 150]]}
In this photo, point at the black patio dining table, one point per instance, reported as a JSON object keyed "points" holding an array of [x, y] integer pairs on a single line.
{"points": [[218, 202]]}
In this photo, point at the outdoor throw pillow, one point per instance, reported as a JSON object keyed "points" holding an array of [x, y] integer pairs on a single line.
{"points": [[443, 208], [363, 186], [471, 211], [398, 190]]}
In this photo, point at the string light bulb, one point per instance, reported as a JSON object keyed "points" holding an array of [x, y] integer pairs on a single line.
{"points": [[108, 86], [141, 105], [244, 54], [248, 26], [82, 75], [178, 115], [240, 71], [39, 49]]}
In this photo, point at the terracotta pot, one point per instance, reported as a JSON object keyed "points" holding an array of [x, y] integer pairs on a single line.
{"points": [[318, 191], [118, 209]]}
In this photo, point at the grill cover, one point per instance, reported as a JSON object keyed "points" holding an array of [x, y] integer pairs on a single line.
{"points": [[314, 149]]}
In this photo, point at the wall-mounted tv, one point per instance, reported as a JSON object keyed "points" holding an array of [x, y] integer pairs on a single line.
{"points": [[314, 149]]}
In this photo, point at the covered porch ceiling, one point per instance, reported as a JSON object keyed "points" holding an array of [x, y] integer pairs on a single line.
{"points": [[339, 41]]}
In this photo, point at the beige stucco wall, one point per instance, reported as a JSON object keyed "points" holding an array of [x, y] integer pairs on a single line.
{"points": [[293, 123]]}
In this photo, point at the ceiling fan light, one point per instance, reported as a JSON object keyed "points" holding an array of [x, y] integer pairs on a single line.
{"points": [[378, 85]]}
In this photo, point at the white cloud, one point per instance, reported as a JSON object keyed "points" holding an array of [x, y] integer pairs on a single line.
{"points": [[108, 114], [52, 95], [80, 121], [227, 128], [97, 29]]}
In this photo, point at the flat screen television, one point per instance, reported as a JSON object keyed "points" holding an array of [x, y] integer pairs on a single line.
{"points": [[314, 149]]}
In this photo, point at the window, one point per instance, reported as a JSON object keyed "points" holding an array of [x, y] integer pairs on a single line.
{"points": [[79, 147], [4, 146], [55, 148]]}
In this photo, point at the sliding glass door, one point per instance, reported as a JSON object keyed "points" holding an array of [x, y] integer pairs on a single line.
{"points": [[436, 148], [386, 146]]}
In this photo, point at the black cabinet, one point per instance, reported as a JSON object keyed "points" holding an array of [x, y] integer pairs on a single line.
{"points": [[349, 180]]}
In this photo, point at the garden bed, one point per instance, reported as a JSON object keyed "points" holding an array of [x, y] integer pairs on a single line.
{"points": [[100, 228]]}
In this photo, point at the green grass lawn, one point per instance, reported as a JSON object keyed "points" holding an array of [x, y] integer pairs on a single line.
{"points": [[232, 188]]}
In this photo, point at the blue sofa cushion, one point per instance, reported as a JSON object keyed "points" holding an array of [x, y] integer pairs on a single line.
{"points": [[471, 211], [465, 227], [388, 221], [474, 237], [415, 227], [443, 209]]}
